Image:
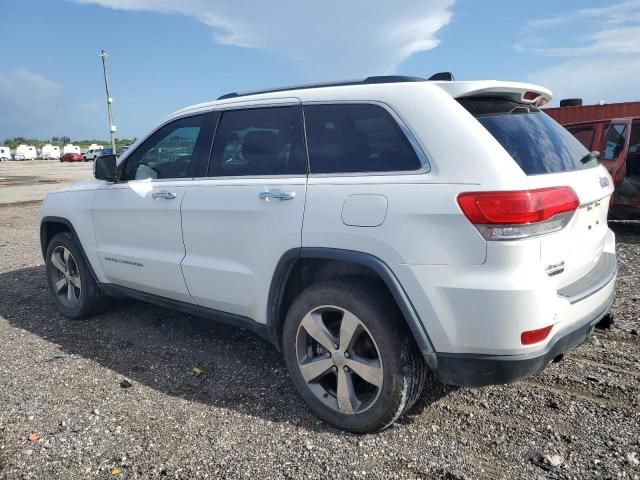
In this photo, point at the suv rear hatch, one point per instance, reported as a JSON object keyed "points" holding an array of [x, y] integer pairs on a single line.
{"points": [[551, 157]]}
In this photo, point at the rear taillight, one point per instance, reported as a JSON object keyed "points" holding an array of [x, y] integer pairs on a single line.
{"points": [[512, 215]]}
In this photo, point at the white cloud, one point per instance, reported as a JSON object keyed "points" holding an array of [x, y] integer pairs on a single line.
{"points": [[330, 37], [592, 79], [34, 106], [600, 47], [621, 12]]}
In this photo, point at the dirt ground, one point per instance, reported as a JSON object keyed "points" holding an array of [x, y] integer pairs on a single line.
{"points": [[117, 397], [31, 180]]}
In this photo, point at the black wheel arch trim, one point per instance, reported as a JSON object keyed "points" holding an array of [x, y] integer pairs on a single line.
{"points": [[43, 244], [288, 259]]}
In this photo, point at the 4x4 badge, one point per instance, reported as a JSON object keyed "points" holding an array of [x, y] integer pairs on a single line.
{"points": [[604, 182]]}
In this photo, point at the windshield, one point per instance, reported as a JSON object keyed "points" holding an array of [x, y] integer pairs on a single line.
{"points": [[536, 142]]}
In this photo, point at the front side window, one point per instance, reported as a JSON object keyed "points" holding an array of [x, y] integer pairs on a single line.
{"points": [[259, 141], [169, 153], [614, 141], [349, 138]]}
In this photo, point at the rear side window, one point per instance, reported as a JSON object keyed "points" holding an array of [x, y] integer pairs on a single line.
{"points": [[259, 141], [536, 142], [347, 138]]}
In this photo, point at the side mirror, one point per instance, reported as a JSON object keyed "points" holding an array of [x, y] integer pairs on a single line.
{"points": [[104, 168]]}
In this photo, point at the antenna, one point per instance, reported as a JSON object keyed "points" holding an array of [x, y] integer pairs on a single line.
{"points": [[112, 127]]}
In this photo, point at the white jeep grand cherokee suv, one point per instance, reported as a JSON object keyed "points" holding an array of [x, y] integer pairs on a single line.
{"points": [[372, 230]]}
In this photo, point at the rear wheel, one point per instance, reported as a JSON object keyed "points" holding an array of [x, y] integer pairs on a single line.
{"points": [[76, 293], [350, 355]]}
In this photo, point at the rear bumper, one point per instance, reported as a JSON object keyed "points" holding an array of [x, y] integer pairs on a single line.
{"points": [[476, 370]]}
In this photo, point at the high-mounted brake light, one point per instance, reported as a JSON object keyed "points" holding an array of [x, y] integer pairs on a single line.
{"points": [[530, 96], [511, 215]]}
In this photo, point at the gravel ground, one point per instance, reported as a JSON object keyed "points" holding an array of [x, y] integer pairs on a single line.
{"points": [[31, 180], [117, 397]]}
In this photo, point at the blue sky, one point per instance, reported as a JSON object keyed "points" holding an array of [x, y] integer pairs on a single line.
{"points": [[167, 54]]}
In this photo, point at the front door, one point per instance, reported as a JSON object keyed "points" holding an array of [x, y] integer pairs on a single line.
{"points": [[137, 220], [240, 220]]}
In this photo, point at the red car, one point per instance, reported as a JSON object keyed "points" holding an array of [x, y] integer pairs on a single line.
{"points": [[71, 157], [613, 130]]}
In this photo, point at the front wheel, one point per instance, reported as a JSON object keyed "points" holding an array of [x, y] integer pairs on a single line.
{"points": [[350, 355], [76, 293]]}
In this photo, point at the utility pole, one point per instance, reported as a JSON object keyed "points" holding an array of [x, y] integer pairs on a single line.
{"points": [[112, 127]]}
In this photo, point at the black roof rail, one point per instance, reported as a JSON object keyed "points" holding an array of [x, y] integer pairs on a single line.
{"points": [[368, 80]]}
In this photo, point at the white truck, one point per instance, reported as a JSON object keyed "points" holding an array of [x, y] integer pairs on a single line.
{"points": [[92, 152]]}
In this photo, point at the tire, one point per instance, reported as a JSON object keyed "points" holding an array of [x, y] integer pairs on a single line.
{"points": [[86, 298], [383, 340], [571, 102]]}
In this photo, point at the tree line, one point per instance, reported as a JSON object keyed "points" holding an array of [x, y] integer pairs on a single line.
{"points": [[62, 141]]}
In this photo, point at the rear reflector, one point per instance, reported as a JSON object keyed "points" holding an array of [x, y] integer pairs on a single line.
{"points": [[509, 215], [534, 336]]}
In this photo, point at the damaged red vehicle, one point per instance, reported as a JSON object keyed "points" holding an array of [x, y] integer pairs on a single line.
{"points": [[613, 130]]}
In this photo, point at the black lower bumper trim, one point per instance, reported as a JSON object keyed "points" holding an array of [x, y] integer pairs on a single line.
{"points": [[477, 370]]}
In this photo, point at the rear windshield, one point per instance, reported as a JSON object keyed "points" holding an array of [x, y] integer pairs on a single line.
{"points": [[535, 141]]}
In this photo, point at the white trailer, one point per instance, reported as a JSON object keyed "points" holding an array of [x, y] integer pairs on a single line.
{"points": [[26, 152], [70, 148], [50, 152], [5, 153]]}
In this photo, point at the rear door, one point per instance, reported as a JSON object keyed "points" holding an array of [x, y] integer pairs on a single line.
{"points": [[239, 220], [615, 147]]}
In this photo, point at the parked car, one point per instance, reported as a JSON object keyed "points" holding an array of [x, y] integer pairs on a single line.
{"points": [[71, 157], [613, 130], [448, 226], [91, 154]]}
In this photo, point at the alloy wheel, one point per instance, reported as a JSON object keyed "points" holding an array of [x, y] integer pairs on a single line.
{"points": [[339, 359], [65, 277]]}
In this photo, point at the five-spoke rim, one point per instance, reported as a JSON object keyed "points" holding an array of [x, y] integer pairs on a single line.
{"points": [[65, 276], [339, 359]]}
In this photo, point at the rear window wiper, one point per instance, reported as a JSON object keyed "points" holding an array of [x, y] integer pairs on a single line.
{"points": [[590, 156]]}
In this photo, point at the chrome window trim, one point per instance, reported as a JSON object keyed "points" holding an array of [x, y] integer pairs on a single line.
{"points": [[413, 140], [267, 103]]}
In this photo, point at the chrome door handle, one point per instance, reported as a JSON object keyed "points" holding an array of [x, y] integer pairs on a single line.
{"points": [[277, 195], [165, 195]]}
